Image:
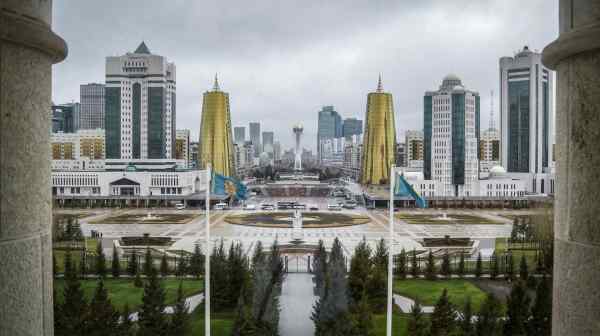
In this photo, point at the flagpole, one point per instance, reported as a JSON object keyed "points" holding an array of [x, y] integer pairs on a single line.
{"points": [[207, 255], [391, 252]]}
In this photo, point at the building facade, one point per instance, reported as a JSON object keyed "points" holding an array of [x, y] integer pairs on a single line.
{"points": [[414, 148], [400, 154], [527, 113], [83, 150], [352, 126], [193, 163], [329, 126], [267, 143], [91, 98], [182, 145], [140, 106], [254, 129], [65, 117], [379, 140], [489, 149], [352, 156], [239, 134], [451, 137], [216, 145]]}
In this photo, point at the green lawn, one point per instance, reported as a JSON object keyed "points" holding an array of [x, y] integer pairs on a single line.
{"points": [[428, 291], [530, 255], [399, 324], [412, 218], [220, 324], [121, 291]]}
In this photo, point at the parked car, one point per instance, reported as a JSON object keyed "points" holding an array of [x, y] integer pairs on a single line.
{"points": [[350, 204], [221, 206], [179, 206], [249, 207], [313, 207], [334, 207], [300, 206], [267, 206]]}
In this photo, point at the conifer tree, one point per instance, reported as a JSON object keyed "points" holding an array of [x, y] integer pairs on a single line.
{"points": [[417, 325], [320, 268], [54, 266], [182, 267], [510, 267], [466, 322], [401, 264], [237, 271], [115, 264], [478, 266], [137, 281], [494, 267], [517, 313], [414, 269], [259, 253], [100, 268], [445, 269], [488, 321], [103, 318], [218, 278], [523, 269], [377, 284], [360, 271], [197, 262], [363, 317], [430, 267], [83, 270], [148, 262], [268, 277], [126, 325], [244, 324], [132, 264], [443, 319], [164, 266], [180, 320], [540, 323], [74, 308], [461, 265], [152, 319]]}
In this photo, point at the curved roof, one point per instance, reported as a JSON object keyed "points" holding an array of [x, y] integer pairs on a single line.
{"points": [[451, 77]]}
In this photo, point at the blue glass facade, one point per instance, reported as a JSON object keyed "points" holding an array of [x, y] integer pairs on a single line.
{"points": [[156, 144], [518, 126], [112, 122], [136, 109], [458, 138]]}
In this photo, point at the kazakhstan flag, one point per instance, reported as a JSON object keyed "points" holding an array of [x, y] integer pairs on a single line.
{"points": [[404, 189], [225, 185]]}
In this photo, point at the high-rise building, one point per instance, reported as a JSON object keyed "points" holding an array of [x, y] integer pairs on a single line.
{"points": [[277, 151], [182, 145], [451, 137], [489, 149], [254, 129], [239, 134], [216, 145], [65, 118], [193, 163], [329, 125], [379, 140], [527, 113], [352, 126], [414, 148], [267, 143], [400, 154], [81, 150], [352, 154], [139, 106], [91, 97]]}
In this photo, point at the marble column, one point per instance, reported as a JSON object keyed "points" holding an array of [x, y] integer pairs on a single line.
{"points": [[28, 48], [575, 55]]}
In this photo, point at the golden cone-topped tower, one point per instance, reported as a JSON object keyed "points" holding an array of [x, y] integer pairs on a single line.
{"points": [[379, 140], [216, 146]]}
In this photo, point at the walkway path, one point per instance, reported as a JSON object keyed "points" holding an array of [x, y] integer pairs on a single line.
{"points": [[192, 302], [296, 305]]}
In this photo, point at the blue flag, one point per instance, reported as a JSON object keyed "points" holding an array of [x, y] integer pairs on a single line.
{"points": [[225, 185], [404, 189]]}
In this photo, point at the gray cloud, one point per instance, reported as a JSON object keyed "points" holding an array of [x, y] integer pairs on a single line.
{"points": [[282, 60]]}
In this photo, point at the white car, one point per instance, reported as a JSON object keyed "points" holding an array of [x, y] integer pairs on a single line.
{"points": [[179, 206], [249, 207], [221, 206], [334, 207]]}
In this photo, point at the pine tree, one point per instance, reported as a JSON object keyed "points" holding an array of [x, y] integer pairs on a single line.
{"points": [[523, 269], [244, 324], [237, 271], [148, 262], [363, 317], [401, 266], [488, 320], [377, 285], [259, 253], [83, 270], [443, 319], [360, 271], [180, 320], [218, 278], [517, 313], [100, 268], [103, 318], [417, 325], [164, 266], [54, 265], [461, 265], [126, 325], [495, 267], [182, 267], [414, 269], [152, 320], [466, 323], [445, 269], [320, 269], [197, 262], [268, 277], [132, 264], [478, 266], [74, 308], [116, 264], [540, 323], [430, 267], [137, 281]]}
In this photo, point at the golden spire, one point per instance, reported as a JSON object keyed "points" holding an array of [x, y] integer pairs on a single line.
{"points": [[379, 85], [216, 85]]}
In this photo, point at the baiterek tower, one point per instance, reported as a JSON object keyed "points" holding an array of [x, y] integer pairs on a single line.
{"points": [[216, 146], [379, 141]]}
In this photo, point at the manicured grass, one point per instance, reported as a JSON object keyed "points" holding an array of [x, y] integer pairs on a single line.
{"points": [[530, 255], [399, 324], [121, 291], [411, 218], [141, 218], [220, 323], [428, 291]]}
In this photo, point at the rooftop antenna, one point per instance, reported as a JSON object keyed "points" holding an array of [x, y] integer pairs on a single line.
{"points": [[216, 86], [379, 85], [492, 123]]}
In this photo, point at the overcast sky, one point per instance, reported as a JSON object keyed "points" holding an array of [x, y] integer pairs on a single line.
{"points": [[281, 61]]}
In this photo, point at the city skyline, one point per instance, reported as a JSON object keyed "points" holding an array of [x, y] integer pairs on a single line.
{"points": [[298, 49]]}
